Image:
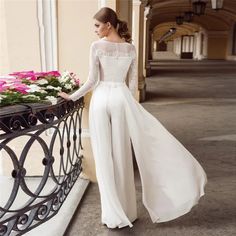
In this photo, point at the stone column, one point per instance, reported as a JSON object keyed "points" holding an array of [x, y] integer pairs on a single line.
{"points": [[124, 12], [147, 68], [230, 53], [195, 47], [152, 44], [149, 49], [138, 27]]}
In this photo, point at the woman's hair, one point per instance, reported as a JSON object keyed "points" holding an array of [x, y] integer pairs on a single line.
{"points": [[106, 14]]}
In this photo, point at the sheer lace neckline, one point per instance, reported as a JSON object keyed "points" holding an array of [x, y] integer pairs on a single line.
{"points": [[113, 42]]}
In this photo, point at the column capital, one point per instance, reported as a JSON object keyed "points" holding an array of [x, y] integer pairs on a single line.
{"points": [[146, 11], [137, 2], [144, 3]]}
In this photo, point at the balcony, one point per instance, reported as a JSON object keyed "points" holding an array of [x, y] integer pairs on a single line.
{"points": [[40, 148]]}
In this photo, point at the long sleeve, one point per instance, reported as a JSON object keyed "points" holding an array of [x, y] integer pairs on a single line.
{"points": [[133, 74], [92, 76]]}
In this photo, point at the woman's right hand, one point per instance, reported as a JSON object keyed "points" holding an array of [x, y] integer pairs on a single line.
{"points": [[64, 95]]}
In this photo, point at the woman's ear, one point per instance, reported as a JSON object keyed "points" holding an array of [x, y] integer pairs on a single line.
{"points": [[108, 25]]}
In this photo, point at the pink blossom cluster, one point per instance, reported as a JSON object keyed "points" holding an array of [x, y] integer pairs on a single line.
{"points": [[13, 82], [31, 75], [30, 86]]}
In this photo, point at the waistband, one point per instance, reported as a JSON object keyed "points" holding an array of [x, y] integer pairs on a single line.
{"points": [[112, 83]]}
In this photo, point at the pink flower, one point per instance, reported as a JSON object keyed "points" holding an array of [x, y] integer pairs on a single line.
{"points": [[16, 81], [77, 81], [22, 72], [21, 88], [49, 73], [53, 73], [30, 75], [2, 82], [40, 74], [2, 88]]}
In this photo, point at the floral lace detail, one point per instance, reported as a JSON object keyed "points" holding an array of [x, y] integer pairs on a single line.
{"points": [[113, 49], [133, 73], [103, 48], [113, 53]]}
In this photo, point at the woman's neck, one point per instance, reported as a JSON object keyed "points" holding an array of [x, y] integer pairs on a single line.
{"points": [[114, 37]]}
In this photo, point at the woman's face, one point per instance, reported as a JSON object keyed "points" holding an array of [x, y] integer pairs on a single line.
{"points": [[101, 29]]}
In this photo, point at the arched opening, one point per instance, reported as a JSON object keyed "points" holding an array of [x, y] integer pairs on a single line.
{"points": [[175, 42]]}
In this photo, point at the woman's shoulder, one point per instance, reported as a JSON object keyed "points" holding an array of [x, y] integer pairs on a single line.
{"points": [[109, 43], [110, 48]]}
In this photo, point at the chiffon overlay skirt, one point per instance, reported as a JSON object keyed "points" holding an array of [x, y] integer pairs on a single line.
{"points": [[172, 179]]}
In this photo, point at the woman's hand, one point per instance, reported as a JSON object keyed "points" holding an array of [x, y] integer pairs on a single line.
{"points": [[64, 95]]}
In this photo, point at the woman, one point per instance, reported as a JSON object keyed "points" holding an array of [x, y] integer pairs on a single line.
{"points": [[172, 179]]}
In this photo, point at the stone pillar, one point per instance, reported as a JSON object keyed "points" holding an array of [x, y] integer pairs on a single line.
{"points": [[230, 54], [147, 68], [144, 41], [138, 27], [196, 50], [187, 44], [124, 12], [152, 44], [155, 46]]}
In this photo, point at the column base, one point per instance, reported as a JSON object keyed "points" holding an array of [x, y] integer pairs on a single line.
{"points": [[142, 89], [142, 93], [148, 72]]}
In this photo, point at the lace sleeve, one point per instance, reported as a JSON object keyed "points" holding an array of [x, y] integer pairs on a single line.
{"points": [[133, 74], [92, 76]]}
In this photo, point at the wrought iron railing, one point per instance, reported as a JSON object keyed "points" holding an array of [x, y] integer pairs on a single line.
{"points": [[58, 156]]}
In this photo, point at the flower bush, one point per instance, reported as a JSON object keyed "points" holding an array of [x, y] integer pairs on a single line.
{"points": [[30, 86]]}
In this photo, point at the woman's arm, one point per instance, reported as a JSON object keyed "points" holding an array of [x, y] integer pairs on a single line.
{"points": [[133, 73], [92, 77]]}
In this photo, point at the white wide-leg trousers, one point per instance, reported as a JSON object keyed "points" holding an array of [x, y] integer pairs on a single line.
{"points": [[113, 156]]}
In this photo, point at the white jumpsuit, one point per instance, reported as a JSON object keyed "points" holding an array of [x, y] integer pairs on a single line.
{"points": [[172, 179]]}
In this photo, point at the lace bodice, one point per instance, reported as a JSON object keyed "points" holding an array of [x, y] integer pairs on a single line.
{"points": [[110, 61]]}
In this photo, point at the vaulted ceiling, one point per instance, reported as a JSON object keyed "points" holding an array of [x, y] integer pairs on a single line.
{"points": [[185, 29], [164, 11]]}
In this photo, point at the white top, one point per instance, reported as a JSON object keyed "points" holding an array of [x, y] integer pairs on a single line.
{"points": [[110, 61]]}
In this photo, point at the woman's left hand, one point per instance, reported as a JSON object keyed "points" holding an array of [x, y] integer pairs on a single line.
{"points": [[64, 95]]}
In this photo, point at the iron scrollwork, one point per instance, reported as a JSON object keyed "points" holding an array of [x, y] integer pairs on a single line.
{"points": [[62, 123]]}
